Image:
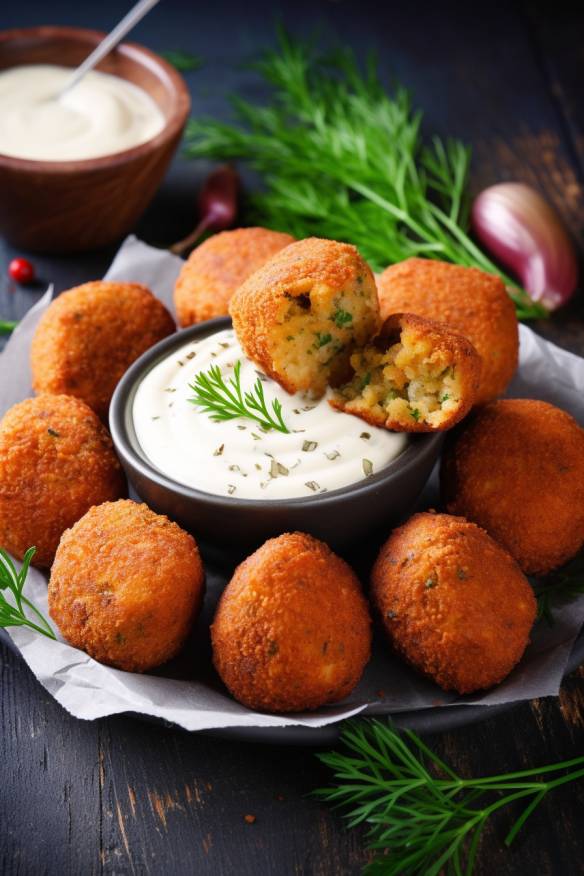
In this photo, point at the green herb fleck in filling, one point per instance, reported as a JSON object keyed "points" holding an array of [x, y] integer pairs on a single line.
{"points": [[322, 340], [342, 318]]}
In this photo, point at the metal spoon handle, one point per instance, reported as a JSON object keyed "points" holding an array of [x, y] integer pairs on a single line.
{"points": [[110, 41]]}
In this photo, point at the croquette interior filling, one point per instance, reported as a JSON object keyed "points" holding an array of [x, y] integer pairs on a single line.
{"points": [[409, 381], [319, 328]]}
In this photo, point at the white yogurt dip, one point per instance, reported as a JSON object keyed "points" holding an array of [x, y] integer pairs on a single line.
{"points": [[101, 115], [324, 449]]}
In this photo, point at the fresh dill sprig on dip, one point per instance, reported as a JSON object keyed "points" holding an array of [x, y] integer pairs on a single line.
{"points": [[227, 401], [14, 614], [424, 818], [342, 158]]}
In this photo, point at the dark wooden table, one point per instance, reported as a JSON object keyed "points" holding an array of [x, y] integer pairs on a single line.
{"points": [[122, 796]]}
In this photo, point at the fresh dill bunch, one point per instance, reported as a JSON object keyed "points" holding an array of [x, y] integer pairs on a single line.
{"points": [[13, 614], [342, 158], [182, 61], [425, 819], [7, 326], [560, 586], [227, 401]]}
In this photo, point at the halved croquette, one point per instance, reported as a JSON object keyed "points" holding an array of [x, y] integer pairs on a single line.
{"points": [[415, 376], [469, 301], [301, 315]]}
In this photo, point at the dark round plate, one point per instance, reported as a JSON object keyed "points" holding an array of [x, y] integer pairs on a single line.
{"points": [[434, 720]]}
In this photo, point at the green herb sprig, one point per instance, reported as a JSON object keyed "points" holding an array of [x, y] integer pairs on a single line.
{"points": [[559, 587], [13, 614], [342, 158], [425, 818], [227, 401], [183, 61], [7, 326]]}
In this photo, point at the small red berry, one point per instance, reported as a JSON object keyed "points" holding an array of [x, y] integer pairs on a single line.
{"points": [[21, 270]]}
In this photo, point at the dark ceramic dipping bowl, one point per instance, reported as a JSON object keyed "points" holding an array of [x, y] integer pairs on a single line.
{"points": [[338, 517]]}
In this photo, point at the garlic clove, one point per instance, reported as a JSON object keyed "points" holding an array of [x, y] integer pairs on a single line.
{"points": [[526, 235]]}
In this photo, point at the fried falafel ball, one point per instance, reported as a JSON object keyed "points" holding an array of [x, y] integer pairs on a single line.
{"points": [[300, 315], [90, 335], [216, 268], [292, 629], [517, 469], [416, 375], [470, 301], [126, 586], [56, 461], [453, 602]]}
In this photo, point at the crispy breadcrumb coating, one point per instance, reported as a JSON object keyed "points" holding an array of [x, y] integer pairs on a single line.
{"points": [[216, 268], [292, 629], [416, 375], [56, 461], [126, 586], [90, 335], [453, 602], [470, 301], [300, 316], [517, 469]]}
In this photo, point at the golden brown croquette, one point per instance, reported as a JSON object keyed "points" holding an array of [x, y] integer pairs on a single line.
{"points": [[292, 629], [470, 301], [517, 469], [300, 315], [56, 461], [218, 266], [453, 602], [90, 335], [416, 375], [126, 586]]}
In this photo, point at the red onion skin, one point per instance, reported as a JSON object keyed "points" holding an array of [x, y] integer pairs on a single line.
{"points": [[526, 235], [218, 203], [218, 198]]}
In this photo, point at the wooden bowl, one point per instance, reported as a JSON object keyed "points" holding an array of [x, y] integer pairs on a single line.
{"points": [[71, 206]]}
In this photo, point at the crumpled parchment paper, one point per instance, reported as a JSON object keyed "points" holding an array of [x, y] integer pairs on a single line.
{"points": [[187, 692]]}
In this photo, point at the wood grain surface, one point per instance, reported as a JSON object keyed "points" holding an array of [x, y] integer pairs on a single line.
{"points": [[123, 796]]}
